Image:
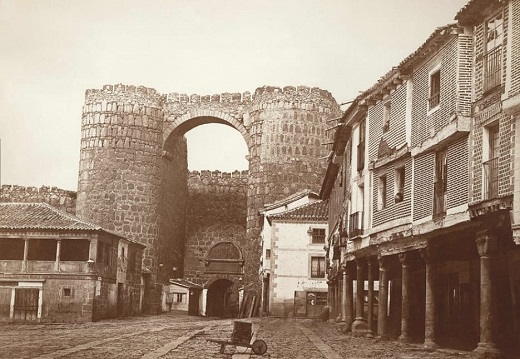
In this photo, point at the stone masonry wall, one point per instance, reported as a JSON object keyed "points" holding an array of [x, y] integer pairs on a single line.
{"points": [[288, 128], [133, 165], [56, 197], [216, 212]]}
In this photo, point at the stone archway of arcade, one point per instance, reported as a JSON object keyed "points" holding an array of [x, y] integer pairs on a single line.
{"points": [[133, 175]]}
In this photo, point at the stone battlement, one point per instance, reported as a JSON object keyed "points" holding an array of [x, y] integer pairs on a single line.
{"points": [[260, 94], [218, 174], [56, 197]]}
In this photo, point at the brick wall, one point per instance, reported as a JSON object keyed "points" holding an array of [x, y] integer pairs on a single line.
{"points": [[424, 124], [458, 173], [393, 210], [423, 185], [396, 134], [515, 49]]}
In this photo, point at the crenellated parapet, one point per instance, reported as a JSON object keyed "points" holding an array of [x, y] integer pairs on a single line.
{"points": [[309, 98], [218, 182], [56, 197]]}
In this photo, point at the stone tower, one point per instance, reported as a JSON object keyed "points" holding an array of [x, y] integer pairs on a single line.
{"points": [[133, 175]]}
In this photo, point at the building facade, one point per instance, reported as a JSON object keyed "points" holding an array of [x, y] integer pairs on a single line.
{"points": [[55, 267], [421, 184], [293, 263]]}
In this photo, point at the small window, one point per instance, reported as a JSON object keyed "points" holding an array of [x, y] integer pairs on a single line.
{"points": [[318, 235], [267, 254], [317, 267], [386, 116], [66, 292], [382, 193], [435, 90], [399, 184], [179, 297]]}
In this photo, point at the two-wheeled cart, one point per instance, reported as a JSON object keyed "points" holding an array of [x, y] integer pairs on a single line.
{"points": [[241, 336]]}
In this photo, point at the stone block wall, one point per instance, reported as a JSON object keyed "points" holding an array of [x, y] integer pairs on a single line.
{"points": [[216, 212], [56, 197], [133, 167]]}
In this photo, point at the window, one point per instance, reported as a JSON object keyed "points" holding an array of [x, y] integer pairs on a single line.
{"points": [[267, 254], [361, 147], [381, 203], [318, 235], [435, 89], [493, 38], [399, 184], [178, 297], [490, 167], [386, 116], [67, 292], [317, 267], [74, 250], [440, 185], [104, 253]]}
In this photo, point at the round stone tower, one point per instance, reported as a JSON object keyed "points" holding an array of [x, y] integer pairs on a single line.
{"points": [[288, 130], [119, 184]]}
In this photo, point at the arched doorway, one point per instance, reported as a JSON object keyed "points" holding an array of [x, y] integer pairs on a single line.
{"points": [[222, 299]]}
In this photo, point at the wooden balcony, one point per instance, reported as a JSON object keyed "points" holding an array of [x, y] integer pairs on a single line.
{"points": [[355, 226]]}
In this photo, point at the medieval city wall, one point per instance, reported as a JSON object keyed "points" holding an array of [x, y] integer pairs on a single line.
{"points": [[133, 165], [217, 210], [56, 197]]}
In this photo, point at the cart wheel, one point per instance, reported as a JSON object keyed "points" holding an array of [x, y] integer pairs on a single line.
{"points": [[259, 347]]}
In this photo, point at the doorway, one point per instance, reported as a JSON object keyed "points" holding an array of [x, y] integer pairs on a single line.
{"points": [[222, 301]]}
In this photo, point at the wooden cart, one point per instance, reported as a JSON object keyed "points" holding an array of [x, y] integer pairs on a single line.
{"points": [[241, 336]]}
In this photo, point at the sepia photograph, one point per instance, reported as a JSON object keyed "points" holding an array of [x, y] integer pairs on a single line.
{"points": [[283, 179]]}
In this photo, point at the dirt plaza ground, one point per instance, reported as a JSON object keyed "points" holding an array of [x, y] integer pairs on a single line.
{"points": [[179, 336]]}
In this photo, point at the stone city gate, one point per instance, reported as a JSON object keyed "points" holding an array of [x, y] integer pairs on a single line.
{"points": [[133, 175]]}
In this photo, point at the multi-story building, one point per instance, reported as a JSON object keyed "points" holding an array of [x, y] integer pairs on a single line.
{"points": [[420, 182], [55, 267], [293, 262]]}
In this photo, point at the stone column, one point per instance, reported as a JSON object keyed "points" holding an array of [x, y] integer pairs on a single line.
{"points": [[25, 253], [429, 315], [370, 316], [11, 304], [344, 296], [58, 254], [383, 297], [349, 300], [359, 327], [487, 246], [332, 293], [404, 258]]}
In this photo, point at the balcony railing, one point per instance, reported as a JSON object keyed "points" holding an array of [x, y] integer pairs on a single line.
{"points": [[490, 178], [492, 68], [355, 226], [434, 100], [439, 198]]}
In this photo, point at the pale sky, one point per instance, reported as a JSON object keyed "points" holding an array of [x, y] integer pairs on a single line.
{"points": [[51, 51]]}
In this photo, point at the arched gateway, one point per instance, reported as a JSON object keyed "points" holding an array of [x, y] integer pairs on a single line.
{"points": [[133, 175]]}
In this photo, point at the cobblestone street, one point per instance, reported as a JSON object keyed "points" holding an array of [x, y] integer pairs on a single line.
{"points": [[180, 336]]}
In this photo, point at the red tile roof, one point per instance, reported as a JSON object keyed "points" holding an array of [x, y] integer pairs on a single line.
{"points": [[314, 211]]}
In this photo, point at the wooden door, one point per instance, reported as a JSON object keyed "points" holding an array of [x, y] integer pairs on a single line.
{"points": [[26, 304]]}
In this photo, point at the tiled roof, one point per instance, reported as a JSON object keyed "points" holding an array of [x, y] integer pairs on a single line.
{"points": [[290, 199], [184, 283], [474, 9], [314, 211], [40, 216]]}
